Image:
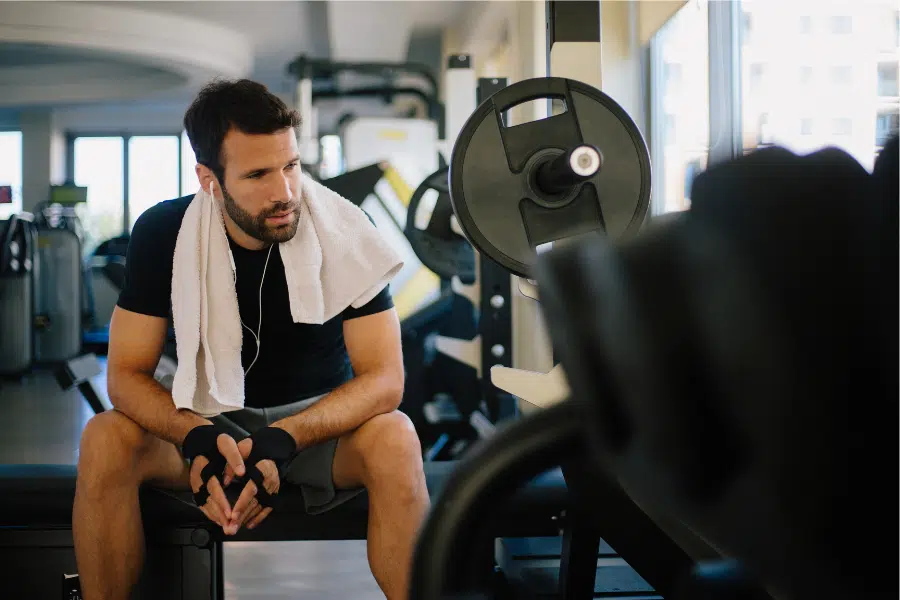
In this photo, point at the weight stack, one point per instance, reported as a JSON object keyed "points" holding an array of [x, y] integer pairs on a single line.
{"points": [[16, 296], [16, 317], [60, 296]]}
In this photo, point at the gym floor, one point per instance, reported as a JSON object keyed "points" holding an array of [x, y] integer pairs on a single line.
{"points": [[43, 425]]}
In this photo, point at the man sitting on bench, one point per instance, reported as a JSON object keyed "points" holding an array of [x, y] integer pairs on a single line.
{"points": [[321, 400]]}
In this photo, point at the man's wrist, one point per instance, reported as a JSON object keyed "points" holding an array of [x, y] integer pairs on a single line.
{"points": [[289, 426], [182, 422]]}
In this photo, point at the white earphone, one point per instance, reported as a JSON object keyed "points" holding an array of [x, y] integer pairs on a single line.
{"points": [[258, 333]]}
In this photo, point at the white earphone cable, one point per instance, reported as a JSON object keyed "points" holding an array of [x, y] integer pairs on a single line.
{"points": [[257, 335]]}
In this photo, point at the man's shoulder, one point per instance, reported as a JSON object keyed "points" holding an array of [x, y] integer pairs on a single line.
{"points": [[156, 231], [164, 217]]}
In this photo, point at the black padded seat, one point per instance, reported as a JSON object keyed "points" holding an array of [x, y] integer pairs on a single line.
{"points": [[41, 496]]}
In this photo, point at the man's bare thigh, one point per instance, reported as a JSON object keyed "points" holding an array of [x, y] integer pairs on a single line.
{"points": [[159, 461]]}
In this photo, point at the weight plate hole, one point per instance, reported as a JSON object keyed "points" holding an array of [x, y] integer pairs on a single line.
{"points": [[533, 110]]}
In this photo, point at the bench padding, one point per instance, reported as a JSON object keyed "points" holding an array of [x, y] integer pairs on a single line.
{"points": [[41, 497]]}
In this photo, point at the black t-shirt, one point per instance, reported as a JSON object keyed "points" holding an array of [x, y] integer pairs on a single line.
{"points": [[295, 361]]}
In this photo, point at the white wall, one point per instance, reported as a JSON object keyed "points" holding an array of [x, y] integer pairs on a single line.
{"points": [[624, 77], [118, 118], [43, 156]]}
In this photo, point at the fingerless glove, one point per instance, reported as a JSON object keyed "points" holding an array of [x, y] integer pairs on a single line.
{"points": [[269, 443], [202, 441]]}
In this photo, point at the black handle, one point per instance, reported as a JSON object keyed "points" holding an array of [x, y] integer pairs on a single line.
{"points": [[5, 250]]}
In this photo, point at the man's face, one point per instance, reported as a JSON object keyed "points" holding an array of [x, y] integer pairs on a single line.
{"points": [[262, 183]]}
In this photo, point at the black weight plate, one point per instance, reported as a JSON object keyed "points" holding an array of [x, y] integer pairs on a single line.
{"points": [[439, 247], [492, 198]]}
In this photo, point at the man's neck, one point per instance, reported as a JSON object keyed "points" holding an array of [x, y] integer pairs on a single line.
{"points": [[241, 238]]}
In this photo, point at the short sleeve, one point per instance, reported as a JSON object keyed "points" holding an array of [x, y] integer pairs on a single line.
{"points": [[148, 264], [381, 302]]}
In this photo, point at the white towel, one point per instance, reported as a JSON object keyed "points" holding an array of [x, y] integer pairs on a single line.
{"points": [[336, 259]]}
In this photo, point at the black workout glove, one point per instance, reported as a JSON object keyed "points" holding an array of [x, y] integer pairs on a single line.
{"points": [[269, 443], [203, 441]]}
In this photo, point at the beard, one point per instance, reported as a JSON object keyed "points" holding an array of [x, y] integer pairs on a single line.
{"points": [[255, 225]]}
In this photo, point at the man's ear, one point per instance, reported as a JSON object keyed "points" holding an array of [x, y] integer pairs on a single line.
{"points": [[206, 176]]}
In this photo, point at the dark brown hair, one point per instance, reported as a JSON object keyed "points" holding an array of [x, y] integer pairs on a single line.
{"points": [[246, 105]]}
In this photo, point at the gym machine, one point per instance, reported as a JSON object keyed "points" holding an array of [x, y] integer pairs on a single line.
{"points": [[468, 405], [515, 192], [18, 250], [715, 364]]}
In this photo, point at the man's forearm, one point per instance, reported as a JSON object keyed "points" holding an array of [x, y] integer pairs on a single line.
{"points": [[149, 404], [343, 410]]}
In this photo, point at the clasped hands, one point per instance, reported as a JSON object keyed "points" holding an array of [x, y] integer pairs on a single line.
{"points": [[217, 460]]}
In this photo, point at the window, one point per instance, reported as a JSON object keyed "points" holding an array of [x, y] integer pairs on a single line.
{"points": [[842, 126], [681, 105], [673, 77], [128, 171], [332, 163], [746, 25], [897, 29], [841, 25], [887, 80], [189, 182], [805, 24], [11, 170], [887, 123], [670, 130], [806, 74], [806, 126], [757, 72], [100, 165], [153, 172], [763, 137], [805, 117], [842, 75]]}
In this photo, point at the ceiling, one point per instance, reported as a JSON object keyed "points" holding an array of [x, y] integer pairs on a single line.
{"points": [[277, 30], [162, 51]]}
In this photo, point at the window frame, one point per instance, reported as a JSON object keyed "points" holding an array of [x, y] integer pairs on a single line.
{"points": [[71, 136], [12, 129], [726, 136], [725, 23]]}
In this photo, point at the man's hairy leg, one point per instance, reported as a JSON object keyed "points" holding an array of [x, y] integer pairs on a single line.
{"points": [[116, 457], [385, 456]]}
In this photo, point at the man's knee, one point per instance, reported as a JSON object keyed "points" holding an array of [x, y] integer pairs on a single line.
{"points": [[110, 449], [391, 451]]}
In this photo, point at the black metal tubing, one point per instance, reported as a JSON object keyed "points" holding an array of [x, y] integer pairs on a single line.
{"points": [[387, 91], [571, 22], [304, 67], [495, 328], [725, 121], [461, 519], [432, 104], [578, 562], [495, 323]]}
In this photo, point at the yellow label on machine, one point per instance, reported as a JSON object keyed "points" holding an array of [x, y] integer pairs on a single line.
{"points": [[409, 298], [393, 134], [401, 189]]}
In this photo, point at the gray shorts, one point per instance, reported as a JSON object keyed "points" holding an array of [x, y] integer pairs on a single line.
{"points": [[311, 469]]}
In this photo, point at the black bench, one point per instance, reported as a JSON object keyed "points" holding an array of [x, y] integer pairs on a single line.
{"points": [[184, 550]]}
